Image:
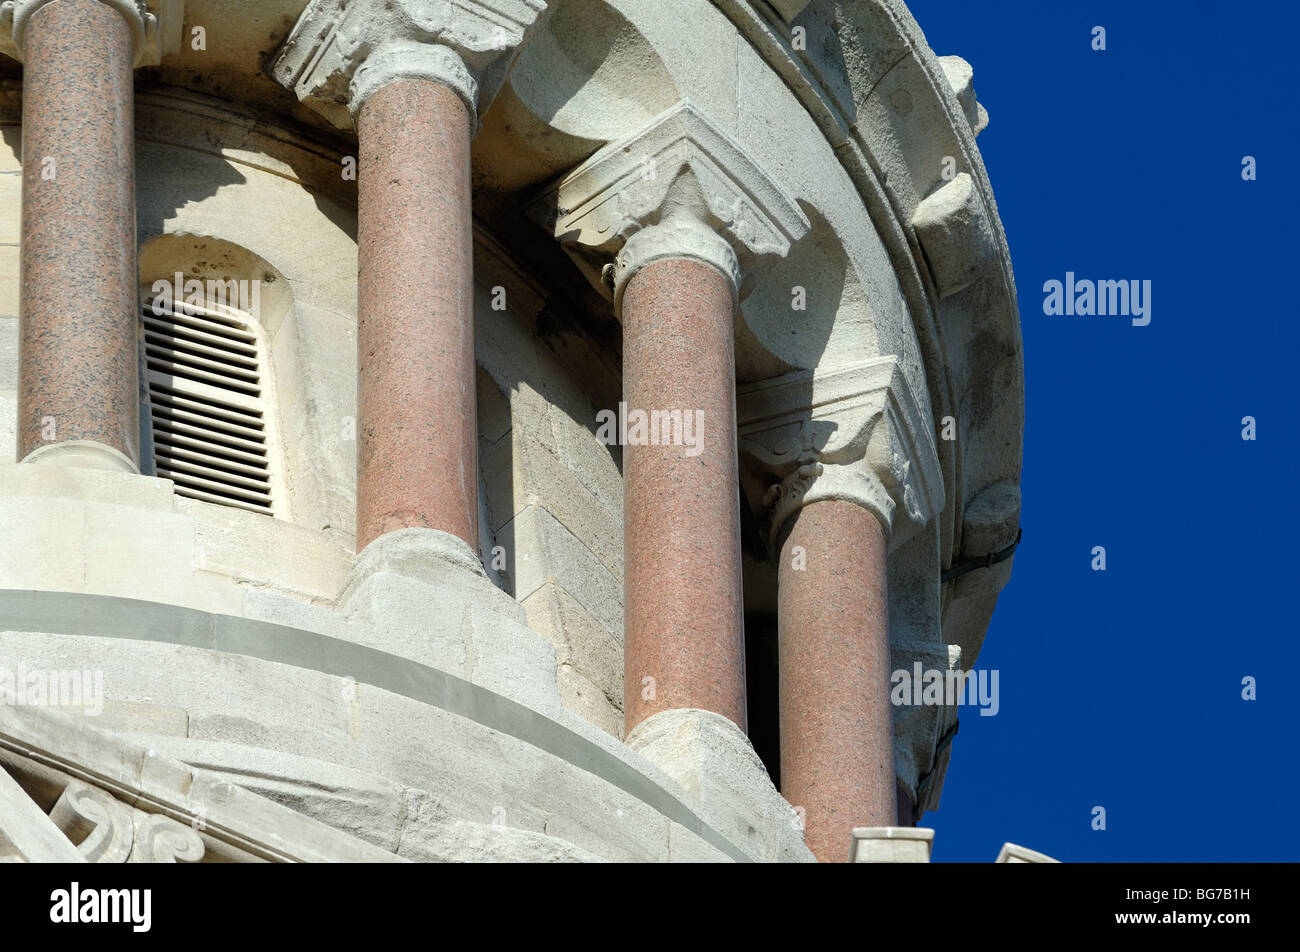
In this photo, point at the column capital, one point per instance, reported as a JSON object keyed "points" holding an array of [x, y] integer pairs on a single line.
{"points": [[854, 433], [679, 238], [678, 188], [340, 52], [155, 27]]}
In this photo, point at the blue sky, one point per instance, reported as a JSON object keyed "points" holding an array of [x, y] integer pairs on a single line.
{"points": [[1123, 688]]}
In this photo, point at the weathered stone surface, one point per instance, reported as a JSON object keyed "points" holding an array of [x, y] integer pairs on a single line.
{"points": [[954, 228], [424, 596], [890, 844], [713, 762], [141, 807]]}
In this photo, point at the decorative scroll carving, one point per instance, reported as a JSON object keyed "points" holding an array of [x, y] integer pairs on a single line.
{"points": [[105, 830], [99, 825], [160, 839]]}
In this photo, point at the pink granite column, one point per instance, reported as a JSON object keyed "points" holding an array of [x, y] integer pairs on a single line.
{"points": [[78, 365], [837, 737], [682, 597], [417, 450]]}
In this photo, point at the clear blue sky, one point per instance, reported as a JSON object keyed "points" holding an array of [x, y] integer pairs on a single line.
{"points": [[1122, 688]]}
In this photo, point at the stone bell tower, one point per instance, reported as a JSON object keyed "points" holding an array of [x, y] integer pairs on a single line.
{"points": [[493, 429]]}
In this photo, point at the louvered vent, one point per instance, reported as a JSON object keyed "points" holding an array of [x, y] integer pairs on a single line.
{"points": [[208, 416]]}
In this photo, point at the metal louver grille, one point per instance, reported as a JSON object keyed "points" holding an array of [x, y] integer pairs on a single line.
{"points": [[205, 392]]}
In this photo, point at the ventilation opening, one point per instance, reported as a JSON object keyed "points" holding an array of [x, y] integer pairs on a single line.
{"points": [[207, 413]]}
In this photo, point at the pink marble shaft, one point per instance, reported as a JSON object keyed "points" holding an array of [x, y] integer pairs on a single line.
{"points": [[78, 373], [681, 513], [417, 442], [837, 738]]}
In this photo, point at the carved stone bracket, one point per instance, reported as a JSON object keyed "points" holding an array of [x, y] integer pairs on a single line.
{"points": [[339, 52], [855, 433], [678, 188]]}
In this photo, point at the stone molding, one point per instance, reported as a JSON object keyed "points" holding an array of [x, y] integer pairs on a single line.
{"points": [[341, 52], [155, 26], [670, 190], [117, 802], [88, 454], [788, 9], [676, 239], [854, 433], [316, 641], [426, 61]]}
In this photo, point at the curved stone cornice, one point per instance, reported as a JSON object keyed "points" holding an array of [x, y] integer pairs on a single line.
{"points": [[857, 59], [660, 193], [153, 34], [342, 52], [855, 434]]}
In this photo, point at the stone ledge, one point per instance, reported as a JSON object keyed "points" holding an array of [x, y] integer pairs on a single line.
{"points": [[891, 844], [555, 732]]}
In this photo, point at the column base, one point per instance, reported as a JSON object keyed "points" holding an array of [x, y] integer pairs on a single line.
{"points": [[422, 594], [84, 454], [713, 761], [890, 844]]}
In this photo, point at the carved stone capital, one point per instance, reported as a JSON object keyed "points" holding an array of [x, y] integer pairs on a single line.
{"points": [[678, 188], [855, 433], [155, 26], [340, 52]]}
